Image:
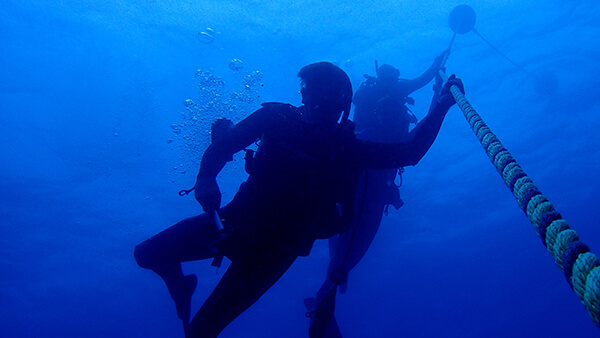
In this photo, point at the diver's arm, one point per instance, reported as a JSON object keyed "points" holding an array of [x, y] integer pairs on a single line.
{"points": [[220, 152], [425, 132], [409, 86], [394, 155], [437, 91], [237, 138], [376, 155]]}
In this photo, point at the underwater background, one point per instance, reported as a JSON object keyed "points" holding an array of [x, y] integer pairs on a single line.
{"points": [[105, 107]]}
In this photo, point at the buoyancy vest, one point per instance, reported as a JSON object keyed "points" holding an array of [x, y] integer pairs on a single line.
{"points": [[302, 177], [381, 114]]}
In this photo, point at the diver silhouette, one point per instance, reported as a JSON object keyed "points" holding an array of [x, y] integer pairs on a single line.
{"points": [[381, 115], [300, 188]]}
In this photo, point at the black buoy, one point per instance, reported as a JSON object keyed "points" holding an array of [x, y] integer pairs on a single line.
{"points": [[462, 19]]}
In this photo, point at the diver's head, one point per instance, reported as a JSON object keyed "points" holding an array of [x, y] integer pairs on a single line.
{"points": [[387, 74], [326, 92]]}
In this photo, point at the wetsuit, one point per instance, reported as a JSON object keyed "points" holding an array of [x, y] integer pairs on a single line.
{"points": [[300, 174]]}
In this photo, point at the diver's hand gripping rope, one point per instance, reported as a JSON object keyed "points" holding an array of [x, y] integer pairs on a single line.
{"points": [[573, 257]]}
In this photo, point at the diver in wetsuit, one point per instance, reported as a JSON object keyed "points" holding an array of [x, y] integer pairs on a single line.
{"points": [[300, 188], [381, 115]]}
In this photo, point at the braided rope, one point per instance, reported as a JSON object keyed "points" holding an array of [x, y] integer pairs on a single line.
{"points": [[573, 257]]}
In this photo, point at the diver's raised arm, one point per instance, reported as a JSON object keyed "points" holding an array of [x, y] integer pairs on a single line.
{"points": [[409, 86], [230, 141], [426, 131], [375, 155]]}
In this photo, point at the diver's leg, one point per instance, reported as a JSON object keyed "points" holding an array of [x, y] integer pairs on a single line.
{"points": [[241, 286], [332, 330], [351, 246], [348, 248], [163, 253], [187, 240]]}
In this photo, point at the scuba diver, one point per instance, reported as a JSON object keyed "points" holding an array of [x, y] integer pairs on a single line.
{"points": [[300, 188], [381, 115]]}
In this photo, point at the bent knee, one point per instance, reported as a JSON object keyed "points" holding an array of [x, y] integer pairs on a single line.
{"points": [[142, 256]]}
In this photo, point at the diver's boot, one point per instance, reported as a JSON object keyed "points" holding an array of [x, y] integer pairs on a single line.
{"points": [[182, 296], [322, 315]]}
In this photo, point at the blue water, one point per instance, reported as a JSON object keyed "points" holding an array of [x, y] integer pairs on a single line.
{"points": [[91, 164]]}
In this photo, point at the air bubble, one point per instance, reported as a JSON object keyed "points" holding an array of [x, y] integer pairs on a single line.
{"points": [[236, 64], [205, 38]]}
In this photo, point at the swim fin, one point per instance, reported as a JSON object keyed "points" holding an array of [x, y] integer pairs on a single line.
{"points": [[322, 321]]}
